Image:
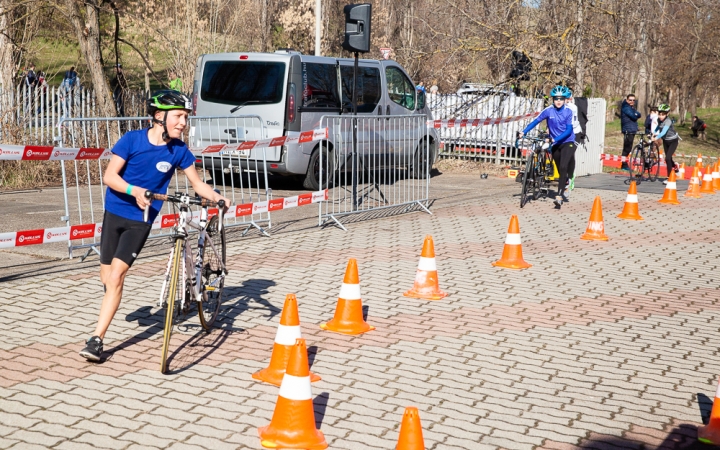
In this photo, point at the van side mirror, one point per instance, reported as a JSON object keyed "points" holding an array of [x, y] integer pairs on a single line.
{"points": [[420, 99]]}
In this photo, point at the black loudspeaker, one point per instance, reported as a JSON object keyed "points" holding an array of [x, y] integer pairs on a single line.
{"points": [[357, 27]]}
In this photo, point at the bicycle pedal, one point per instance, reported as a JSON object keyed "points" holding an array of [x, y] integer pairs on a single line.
{"points": [[210, 288]]}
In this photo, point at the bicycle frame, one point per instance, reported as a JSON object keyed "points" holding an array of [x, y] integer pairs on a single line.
{"points": [[190, 271]]}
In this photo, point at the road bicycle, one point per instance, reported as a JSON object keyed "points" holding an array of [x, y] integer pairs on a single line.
{"points": [[186, 281], [645, 157], [538, 169]]}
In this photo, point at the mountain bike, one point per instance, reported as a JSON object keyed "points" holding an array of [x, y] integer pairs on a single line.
{"points": [[645, 157], [189, 282], [538, 169]]}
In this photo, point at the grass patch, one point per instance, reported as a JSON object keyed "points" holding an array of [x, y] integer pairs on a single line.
{"points": [[688, 145]]}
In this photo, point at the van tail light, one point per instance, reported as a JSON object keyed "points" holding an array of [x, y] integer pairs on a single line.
{"points": [[194, 103], [291, 104]]}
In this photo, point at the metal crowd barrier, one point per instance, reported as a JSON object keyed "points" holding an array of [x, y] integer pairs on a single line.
{"points": [[84, 192], [488, 143], [240, 175], [372, 163]]}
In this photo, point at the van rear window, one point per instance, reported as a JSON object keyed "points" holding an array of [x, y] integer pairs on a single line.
{"points": [[237, 82]]}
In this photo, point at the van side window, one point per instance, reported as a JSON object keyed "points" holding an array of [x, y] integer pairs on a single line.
{"points": [[236, 82], [368, 88], [319, 86], [400, 88]]}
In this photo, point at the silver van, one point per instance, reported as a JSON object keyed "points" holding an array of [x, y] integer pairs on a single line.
{"points": [[291, 92]]}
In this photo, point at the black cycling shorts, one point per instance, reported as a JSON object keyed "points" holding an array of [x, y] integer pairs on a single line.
{"points": [[122, 239]]}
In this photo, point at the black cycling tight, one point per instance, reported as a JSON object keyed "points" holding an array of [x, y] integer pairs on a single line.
{"points": [[564, 157]]}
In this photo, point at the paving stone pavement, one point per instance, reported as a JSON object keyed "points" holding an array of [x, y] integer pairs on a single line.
{"points": [[600, 345]]}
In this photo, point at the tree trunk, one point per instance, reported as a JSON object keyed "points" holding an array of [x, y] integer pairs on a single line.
{"points": [[88, 36], [579, 56], [7, 49]]}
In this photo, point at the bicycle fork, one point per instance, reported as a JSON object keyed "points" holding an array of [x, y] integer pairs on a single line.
{"points": [[166, 280]]}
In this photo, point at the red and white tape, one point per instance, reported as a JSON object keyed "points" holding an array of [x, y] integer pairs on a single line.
{"points": [[91, 230], [609, 157], [462, 123], [48, 153], [305, 136]]}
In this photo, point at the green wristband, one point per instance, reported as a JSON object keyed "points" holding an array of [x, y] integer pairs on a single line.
{"points": [[128, 191]]}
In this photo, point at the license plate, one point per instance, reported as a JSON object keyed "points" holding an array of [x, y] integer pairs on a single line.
{"points": [[240, 153]]}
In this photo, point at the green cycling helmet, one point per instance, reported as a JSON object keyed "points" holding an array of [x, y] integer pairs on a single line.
{"points": [[664, 108], [167, 99]]}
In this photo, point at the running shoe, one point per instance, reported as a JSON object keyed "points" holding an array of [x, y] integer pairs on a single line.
{"points": [[558, 202], [93, 349]]}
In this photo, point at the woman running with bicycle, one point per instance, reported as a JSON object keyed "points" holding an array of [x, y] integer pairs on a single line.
{"points": [[665, 130], [559, 122], [142, 160]]}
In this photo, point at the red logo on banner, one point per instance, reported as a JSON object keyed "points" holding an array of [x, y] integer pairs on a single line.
{"points": [[306, 136], [90, 153], [82, 231], [169, 220], [247, 145], [276, 204], [451, 123], [212, 212], [213, 148], [29, 237], [244, 210], [304, 199], [36, 153], [275, 142]]}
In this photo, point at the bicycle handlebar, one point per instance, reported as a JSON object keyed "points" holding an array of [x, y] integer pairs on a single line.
{"points": [[181, 198]]}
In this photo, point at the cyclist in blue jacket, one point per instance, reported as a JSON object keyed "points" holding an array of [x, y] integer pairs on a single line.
{"points": [[559, 123]]}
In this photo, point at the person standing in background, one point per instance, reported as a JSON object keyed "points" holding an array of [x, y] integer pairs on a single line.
{"points": [[628, 122], [175, 83], [651, 120]]}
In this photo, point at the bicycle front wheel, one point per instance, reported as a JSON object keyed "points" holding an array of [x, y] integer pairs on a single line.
{"points": [[653, 164], [175, 291], [528, 181], [213, 274], [636, 164]]}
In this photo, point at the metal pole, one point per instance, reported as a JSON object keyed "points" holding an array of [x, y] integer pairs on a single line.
{"points": [[354, 136], [318, 17]]}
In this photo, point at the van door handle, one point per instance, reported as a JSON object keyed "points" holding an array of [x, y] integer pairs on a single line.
{"points": [[387, 111]]}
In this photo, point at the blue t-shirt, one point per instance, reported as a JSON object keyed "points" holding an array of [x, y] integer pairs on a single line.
{"points": [[559, 123], [146, 166]]}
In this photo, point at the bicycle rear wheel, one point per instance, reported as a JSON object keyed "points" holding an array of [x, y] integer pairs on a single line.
{"points": [[636, 164], [213, 275], [175, 291], [527, 180]]}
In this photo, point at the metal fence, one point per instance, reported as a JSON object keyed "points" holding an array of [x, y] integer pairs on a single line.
{"points": [[29, 115], [372, 163], [84, 192], [489, 143], [587, 155]]}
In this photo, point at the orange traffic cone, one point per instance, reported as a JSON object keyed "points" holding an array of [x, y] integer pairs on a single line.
{"points": [[411, 435], [288, 331], [698, 162], [596, 226], [716, 176], [426, 284], [630, 210], [512, 257], [670, 194], [348, 313], [694, 186], [707, 184], [710, 433], [681, 172], [293, 422]]}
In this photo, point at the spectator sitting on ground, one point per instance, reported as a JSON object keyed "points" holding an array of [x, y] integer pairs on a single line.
{"points": [[698, 128]]}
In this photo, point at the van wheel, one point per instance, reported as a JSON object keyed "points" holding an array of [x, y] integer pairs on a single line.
{"points": [[420, 167], [312, 177]]}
